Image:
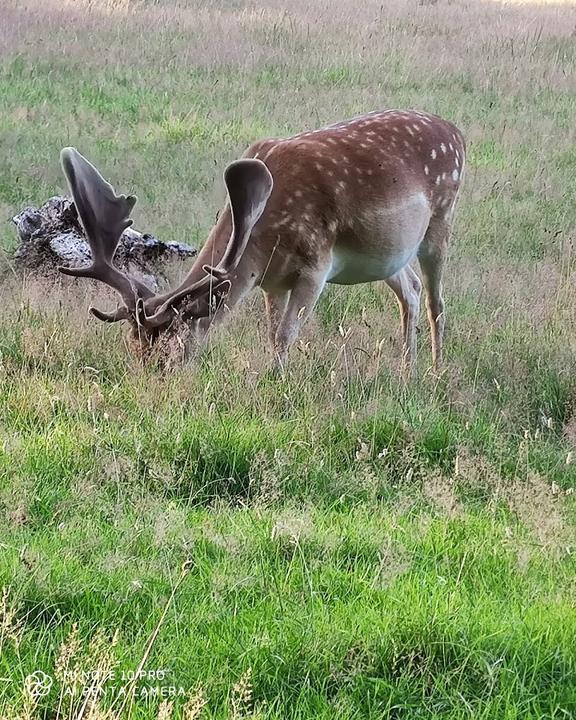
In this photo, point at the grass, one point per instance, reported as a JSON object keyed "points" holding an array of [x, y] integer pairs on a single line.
{"points": [[332, 543]]}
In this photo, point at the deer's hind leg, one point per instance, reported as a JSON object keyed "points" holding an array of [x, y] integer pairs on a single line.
{"points": [[407, 287], [432, 258]]}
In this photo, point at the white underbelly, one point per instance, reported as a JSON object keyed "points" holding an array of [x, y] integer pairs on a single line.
{"points": [[387, 238], [349, 268]]}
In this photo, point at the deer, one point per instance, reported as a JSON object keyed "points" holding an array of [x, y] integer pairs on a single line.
{"points": [[354, 202]]}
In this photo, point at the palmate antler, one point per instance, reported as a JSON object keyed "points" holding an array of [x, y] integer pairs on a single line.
{"points": [[105, 215]]}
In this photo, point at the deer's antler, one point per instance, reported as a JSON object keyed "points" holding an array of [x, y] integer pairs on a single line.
{"points": [[104, 217]]}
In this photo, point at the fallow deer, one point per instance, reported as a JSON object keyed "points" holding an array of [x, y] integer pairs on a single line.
{"points": [[354, 202]]}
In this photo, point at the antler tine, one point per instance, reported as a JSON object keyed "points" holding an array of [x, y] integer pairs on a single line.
{"points": [[121, 313], [192, 292], [104, 217]]}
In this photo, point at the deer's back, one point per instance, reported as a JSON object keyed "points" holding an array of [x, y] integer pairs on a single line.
{"points": [[362, 190]]}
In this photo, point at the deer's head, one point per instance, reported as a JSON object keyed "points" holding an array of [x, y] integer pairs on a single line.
{"points": [[104, 216]]}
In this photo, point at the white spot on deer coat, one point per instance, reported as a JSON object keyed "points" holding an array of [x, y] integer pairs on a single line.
{"points": [[433, 154], [455, 175]]}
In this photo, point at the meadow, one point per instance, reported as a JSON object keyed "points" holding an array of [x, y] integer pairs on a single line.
{"points": [[220, 541]]}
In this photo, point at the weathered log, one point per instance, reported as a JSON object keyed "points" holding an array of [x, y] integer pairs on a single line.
{"points": [[52, 235]]}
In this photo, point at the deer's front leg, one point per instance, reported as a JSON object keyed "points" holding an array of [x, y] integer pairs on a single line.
{"points": [[276, 304], [301, 302]]}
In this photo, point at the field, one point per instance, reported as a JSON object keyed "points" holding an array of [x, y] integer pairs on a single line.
{"points": [[332, 543]]}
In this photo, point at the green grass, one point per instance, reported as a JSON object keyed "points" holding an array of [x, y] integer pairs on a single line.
{"points": [[354, 547]]}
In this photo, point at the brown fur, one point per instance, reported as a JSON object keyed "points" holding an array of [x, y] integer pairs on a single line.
{"points": [[326, 183]]}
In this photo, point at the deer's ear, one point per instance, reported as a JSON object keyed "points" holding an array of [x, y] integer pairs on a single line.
{"points": [[249, 184]]}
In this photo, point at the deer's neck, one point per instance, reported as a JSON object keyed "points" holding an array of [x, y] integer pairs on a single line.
{"points": [[243, 278], [212, 250]]}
